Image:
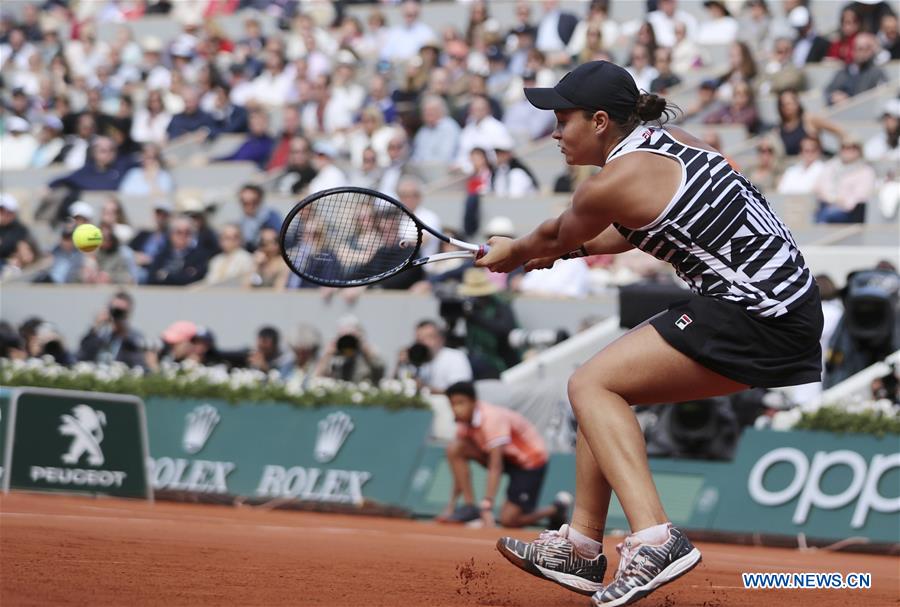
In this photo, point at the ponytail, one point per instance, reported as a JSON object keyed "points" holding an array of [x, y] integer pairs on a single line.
{"points": [[650, 107]]}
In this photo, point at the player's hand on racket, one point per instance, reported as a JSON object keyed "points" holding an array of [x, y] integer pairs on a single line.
{"points": [[540, 263], [500, 256]]}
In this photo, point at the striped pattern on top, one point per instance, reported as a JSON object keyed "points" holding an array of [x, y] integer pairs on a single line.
{"points": [[719, 233]]}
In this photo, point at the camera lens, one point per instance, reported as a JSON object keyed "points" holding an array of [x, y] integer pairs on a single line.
{"points": [[347, 345], [418, 354], [117, 313]]}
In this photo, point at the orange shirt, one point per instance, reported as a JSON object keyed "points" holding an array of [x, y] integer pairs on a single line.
{"points": [[494, 426]]}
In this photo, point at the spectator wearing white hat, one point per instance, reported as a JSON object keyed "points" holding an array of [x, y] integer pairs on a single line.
{"points": [[438, 137], [12, 231], [50, 143], [885, 146], [17, 144], [809, 47], [158, 75], [405, 39], [328, 175], [80, 212], [347, 95], [511, 178]]}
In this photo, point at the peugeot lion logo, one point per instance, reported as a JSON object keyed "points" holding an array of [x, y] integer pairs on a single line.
{"points": [[85, 426], [199, 425], [333, 431]]}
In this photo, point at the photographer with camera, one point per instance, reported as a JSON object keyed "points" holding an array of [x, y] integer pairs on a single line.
{"points": [[481, 319], [430, 362], [112, 338], [349, 356]]}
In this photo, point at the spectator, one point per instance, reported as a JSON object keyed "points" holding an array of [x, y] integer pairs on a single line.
{"points": [[112, 213], [719, 27], [404, 41], [269, 270], [845, 186], [511, 178], [46, 340], [596, 32], [766, 170], [398, 165], [809, 46], [350, 356], [15, 50], [567, 278], [23, 259], [234, 262], [328, 174], [12, 230], [434, 365], [871, 13], [273, 86], [150, 122], [192, 118], [686, 54], [149, 243], [755, 26], [801, 178], [842, 47], [227, 116], [741, 110], [664, 19], [290, 128], [488, 320], [371, 133], [50, 144], [104, 171], [305, 344], [75, 153], [299, 172], [17, 144], [113, 263], [255, 216], [666, 78], [860, 75], [779, 74], [640, 67], [885, 146], [112, 338], [268, 355], [370, 174], [797, 124], [258, 146], [437, 139], [525, 122], [151, 178], [409, 193], [481, 131], [194, 209], [380, 96], [889, 39], [555, 29], [65, 266], [347, 96], [181, 261]]}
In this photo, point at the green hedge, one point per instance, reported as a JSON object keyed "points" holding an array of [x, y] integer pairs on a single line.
{"points": [[237, 386], [839, 420]]}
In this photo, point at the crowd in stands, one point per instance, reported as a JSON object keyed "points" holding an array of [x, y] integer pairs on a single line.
{"points": [[314, 97]]}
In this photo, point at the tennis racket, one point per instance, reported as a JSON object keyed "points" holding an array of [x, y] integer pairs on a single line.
{"points": [[351, 237]]}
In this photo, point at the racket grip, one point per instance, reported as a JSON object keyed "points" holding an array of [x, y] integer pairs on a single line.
{"points": [[482, 251]]}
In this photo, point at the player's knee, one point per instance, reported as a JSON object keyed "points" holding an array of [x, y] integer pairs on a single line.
{"points": [[509, 520], [455, 449], [583, 386]]}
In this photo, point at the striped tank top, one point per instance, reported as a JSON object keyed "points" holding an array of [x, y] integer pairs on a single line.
{"points": [[719, 232]]}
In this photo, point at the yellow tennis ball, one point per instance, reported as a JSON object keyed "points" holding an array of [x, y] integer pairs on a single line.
{"points": [[87, 237]]}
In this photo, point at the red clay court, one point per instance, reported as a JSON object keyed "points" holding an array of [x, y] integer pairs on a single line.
{"points": [[79, 551]]}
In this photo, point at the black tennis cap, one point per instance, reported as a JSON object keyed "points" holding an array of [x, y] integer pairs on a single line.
{"points": [[592, 86]]}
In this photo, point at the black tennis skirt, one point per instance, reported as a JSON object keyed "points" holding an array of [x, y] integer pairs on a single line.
{"points": [[760, 352]]}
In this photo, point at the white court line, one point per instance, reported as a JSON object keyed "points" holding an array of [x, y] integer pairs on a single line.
{"points": [[262, 526]]}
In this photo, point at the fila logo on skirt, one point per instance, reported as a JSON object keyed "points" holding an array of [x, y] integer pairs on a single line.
{"points": [[683, 321]]}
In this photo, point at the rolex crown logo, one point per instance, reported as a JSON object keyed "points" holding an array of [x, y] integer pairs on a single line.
{"points": [[333, 431], [199, 425]]}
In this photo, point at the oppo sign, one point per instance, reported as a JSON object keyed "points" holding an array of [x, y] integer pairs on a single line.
{"points": [[807, 477]]}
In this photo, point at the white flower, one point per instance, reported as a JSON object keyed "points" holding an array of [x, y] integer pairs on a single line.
{"points": [[785, 420], [357, 397]]}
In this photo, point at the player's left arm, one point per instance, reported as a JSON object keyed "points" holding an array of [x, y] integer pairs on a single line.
{"points": [[595, 205]]}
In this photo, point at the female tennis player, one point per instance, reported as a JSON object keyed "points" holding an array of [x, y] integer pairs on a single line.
{"points": [[754, 318]]}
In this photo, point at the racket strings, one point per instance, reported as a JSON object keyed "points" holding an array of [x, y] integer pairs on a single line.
{"points": [[347, 238]]}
